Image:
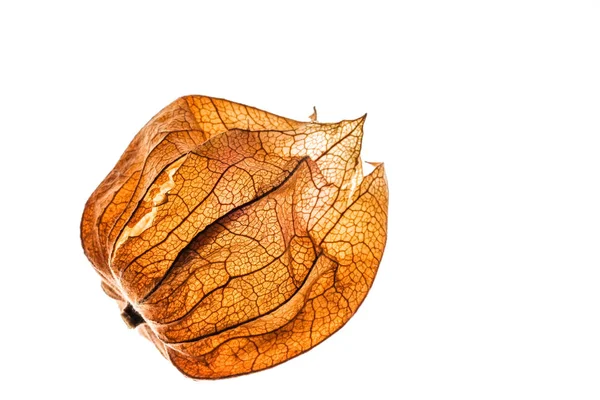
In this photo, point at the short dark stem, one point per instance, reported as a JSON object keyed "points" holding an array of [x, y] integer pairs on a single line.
{"points": [[131, 317]]}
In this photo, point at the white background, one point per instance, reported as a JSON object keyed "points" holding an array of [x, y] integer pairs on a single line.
{"points": [[486, 114]]}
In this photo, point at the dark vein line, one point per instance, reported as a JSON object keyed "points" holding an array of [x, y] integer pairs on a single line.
{"points": [[233, 210]]}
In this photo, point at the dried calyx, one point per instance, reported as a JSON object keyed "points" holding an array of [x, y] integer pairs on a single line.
{"points": [[235, 239]]}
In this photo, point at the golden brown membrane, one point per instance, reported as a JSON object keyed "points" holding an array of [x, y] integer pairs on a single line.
{"points": [[235, 239]]}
